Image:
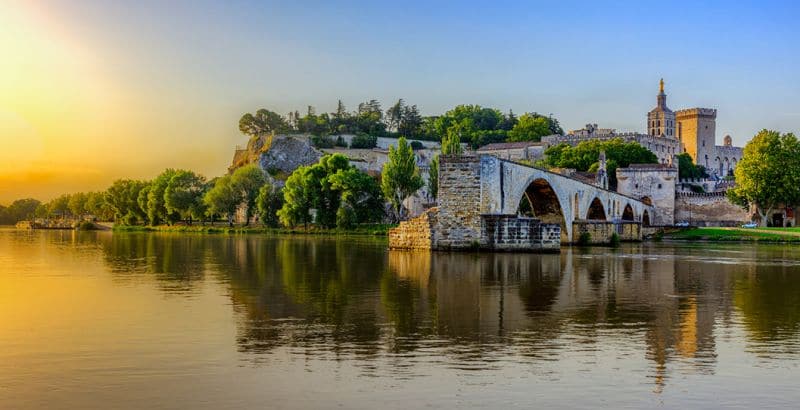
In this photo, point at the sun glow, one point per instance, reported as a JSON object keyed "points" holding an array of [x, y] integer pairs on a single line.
{"points": [[54, 105]]}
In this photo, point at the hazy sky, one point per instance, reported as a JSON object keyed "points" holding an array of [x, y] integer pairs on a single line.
{"points": [[91, 91]]}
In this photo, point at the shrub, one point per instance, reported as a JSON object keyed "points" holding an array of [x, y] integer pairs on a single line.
{"points": [[584, 239], [322, 142], [362, 140], [340, 142], [416, 145], [345, 217], [86, 226], [614, 239]]}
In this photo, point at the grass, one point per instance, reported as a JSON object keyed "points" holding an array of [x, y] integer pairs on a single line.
{"points": [[737, 234], [371, 230]]}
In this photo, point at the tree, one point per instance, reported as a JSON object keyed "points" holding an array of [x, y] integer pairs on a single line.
{"points": [[364, 141], [585, 156], [268, 202], [400, 178], [157, 211], [360, 197], [768, 174], [97, 206], [77, 203], [394, 115], [122, 199], [21, 209], [530, 127], [433, 178], [410, 125], [59, 206], [223, 198], [184, 195], [263, 122], [325, 187], [451, 143], [687, 169], [248, 180]]}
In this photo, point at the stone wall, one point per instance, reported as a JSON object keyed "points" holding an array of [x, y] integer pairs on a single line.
{"points": [[709, 209], [459, 200], [655, 182], [512, 233], [600, 232], [416, 233]]}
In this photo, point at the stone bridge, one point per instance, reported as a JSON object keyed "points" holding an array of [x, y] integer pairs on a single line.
{"points": [[491, 203]]}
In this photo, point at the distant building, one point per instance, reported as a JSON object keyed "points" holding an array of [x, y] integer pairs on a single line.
{"points": [[669, 133]]}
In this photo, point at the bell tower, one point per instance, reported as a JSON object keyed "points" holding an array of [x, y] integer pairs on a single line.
{"points": [[661, 120]]}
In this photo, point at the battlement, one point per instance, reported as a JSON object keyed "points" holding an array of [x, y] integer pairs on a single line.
{"points": [[696, 112]]}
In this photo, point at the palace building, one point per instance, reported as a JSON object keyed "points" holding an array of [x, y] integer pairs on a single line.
{"points": [[669, 133]]}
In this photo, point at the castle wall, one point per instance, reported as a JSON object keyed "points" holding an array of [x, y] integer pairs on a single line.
{"points": [[654, 182], [709, 209]]}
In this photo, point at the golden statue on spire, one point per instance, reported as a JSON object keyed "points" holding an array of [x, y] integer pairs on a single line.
{"points": [[661, 86]]}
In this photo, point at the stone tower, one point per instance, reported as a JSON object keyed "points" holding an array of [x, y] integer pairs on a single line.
{"points": [[661, 120], [601, 178], [696, 130]]}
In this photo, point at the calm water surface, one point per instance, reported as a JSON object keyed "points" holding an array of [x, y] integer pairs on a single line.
{"points": [[95, 320]]}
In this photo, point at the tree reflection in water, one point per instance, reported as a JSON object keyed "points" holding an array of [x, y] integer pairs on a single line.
{"points": [[340, 297]]}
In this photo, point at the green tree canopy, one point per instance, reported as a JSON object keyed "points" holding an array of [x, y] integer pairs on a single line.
{"points": [[326, 187], [157, 211], [268, 202], [687, 169], [585, 156], [262, 122], [248, 180], [768, 174], [400, 177], [122, 199], [433, 178], [184, 195], [223, 198], [530, 127]]}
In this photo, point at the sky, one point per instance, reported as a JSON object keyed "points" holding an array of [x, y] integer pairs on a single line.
{"points": [[93, 91]]}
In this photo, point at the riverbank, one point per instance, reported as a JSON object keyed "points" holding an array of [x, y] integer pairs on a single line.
{"points": [[370, 230], [771, 235]]}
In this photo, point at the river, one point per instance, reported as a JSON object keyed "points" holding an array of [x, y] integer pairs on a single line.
{"points": [[161, 321]]}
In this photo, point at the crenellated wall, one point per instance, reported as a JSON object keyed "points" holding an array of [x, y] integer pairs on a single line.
{"points": [[708, 209]]}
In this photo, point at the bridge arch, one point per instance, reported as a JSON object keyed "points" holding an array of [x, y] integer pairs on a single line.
{"points": [[627, 213], [596, 210], [546, 204]]}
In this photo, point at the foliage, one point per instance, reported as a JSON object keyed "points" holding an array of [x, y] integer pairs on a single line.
{"points": [[584, 238], [325, 187], [400, 177], [477, 125], [614, 241], [263, 122], [451, 143], [322, 141], [433, 178], [688, 170], [768, 174], [530, 127], [122, 199], [157, 211], [247, 181], [223, 198], [184, 195], [585, 156], [268, 202], [416, 145], [362, 140]]}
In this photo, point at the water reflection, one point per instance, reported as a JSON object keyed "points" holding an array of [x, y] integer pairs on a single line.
{"points": [[352, 298]]}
